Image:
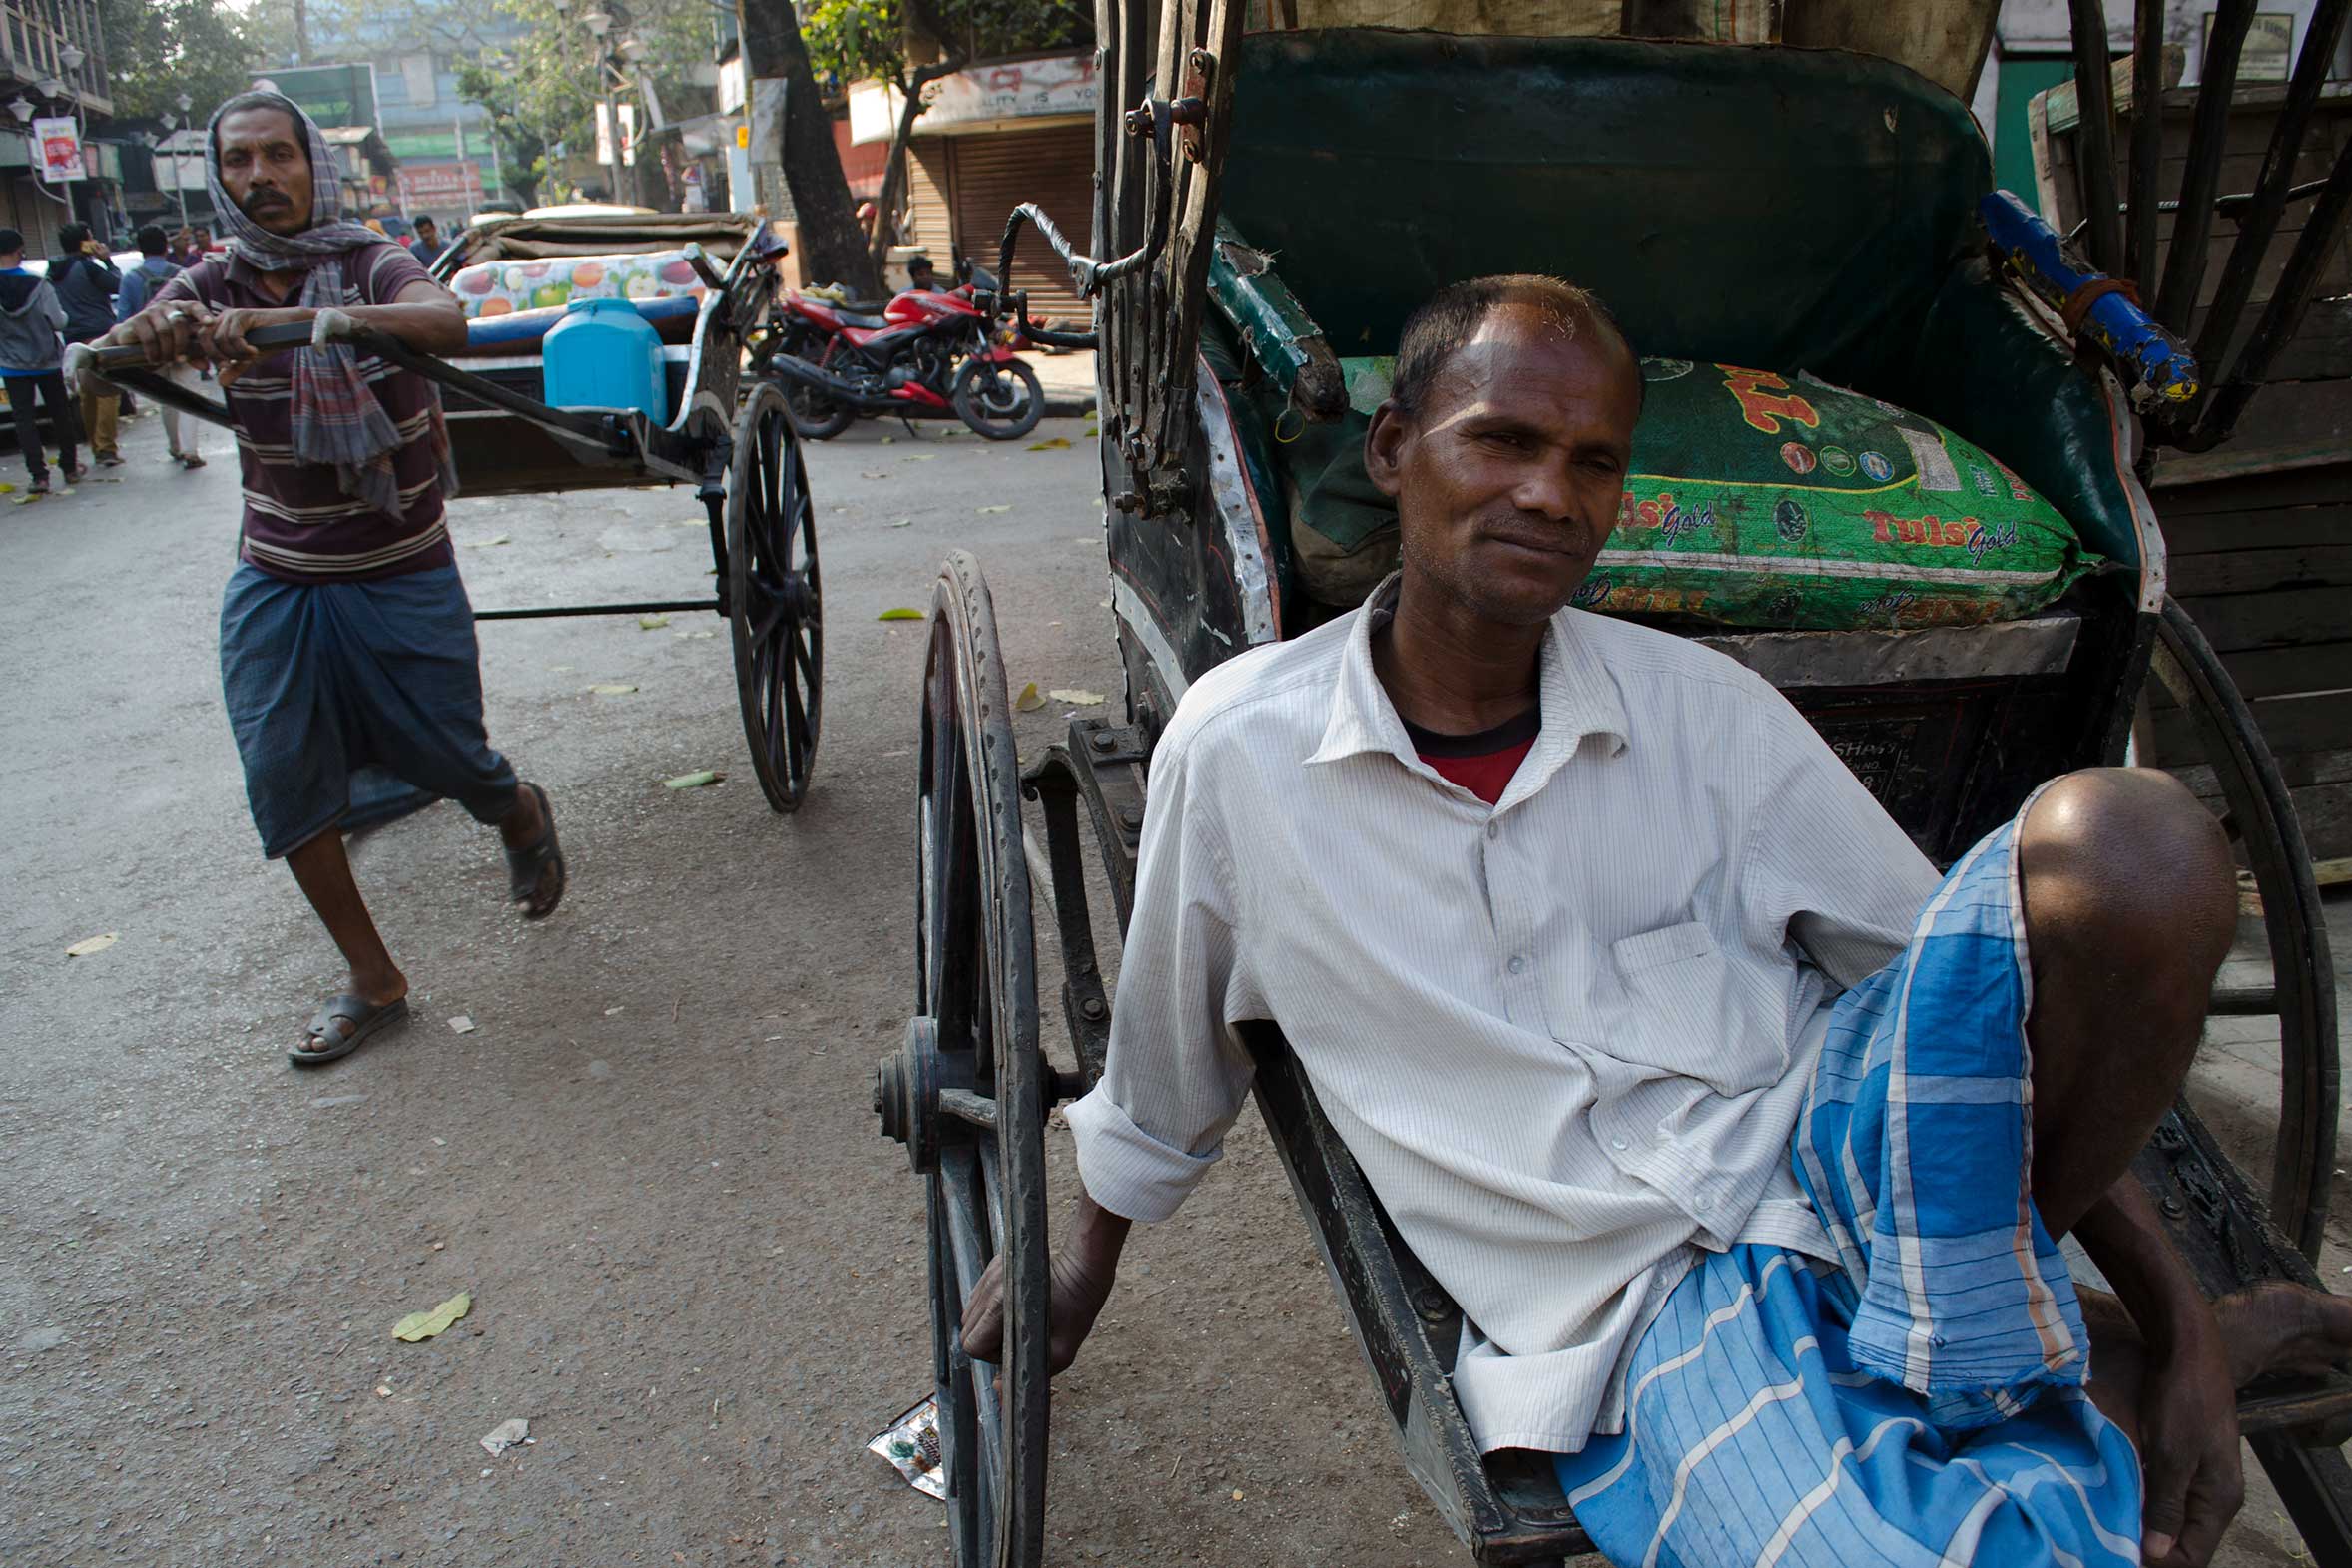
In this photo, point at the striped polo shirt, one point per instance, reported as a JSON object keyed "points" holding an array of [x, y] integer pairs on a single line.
{"points": [[299, 523]]}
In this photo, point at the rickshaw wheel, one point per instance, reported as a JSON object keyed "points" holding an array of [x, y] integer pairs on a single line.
{"points": [[775, 602], [2262, 825], [969, 1090]]}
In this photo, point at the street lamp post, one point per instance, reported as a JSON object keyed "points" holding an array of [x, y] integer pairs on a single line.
{"points": [[599, 21]]}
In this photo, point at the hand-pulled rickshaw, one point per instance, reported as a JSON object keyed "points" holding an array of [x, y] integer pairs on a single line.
{"points": [[1273, 200], [703, 281]]}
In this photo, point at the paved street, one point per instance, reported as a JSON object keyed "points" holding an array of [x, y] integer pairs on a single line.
{"points": [[694, 1266]]}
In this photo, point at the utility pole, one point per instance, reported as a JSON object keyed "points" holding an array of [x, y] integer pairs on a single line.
{"points": [[795, 168]]}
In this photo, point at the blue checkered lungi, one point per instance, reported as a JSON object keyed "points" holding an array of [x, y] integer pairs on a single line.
{"points": [[1924, 1402]]}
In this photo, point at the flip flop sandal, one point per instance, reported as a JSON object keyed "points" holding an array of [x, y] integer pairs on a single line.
{"points": [[365, 1021], [527, 868]]}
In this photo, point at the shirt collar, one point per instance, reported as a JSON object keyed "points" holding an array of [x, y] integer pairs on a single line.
{"points": [[1575, 691]]}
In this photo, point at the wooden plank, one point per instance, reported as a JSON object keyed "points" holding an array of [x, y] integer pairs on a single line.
{"points": [[2289, 424], [2300, 770], [2254, 492], [2316, 721], [2283, 528], [2261, 571], [2290, 616], [2280, 671]]}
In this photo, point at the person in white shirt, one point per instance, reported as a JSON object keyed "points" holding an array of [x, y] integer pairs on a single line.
{"points": [[1652, 1032]]}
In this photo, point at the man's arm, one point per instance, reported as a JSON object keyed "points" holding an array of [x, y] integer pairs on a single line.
{"points": [[1175, 1077], [423, 316], [2187, 1415]]}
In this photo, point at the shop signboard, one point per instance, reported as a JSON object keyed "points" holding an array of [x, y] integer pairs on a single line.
{"points": [[57, 144], [429, 185]]}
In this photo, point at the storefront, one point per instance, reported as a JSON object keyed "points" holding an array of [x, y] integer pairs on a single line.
{"points": [[994, 136]]}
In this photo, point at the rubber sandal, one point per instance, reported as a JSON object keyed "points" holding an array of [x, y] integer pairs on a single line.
{"points": [[367, 1021], [527, 868]]}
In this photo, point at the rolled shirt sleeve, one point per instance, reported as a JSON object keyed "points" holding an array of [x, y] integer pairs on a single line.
{"points": [[1177, 1073]]}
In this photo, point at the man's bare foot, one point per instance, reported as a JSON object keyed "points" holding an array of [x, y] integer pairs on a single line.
{"points": [[341, 1028], [2276, 1327]]}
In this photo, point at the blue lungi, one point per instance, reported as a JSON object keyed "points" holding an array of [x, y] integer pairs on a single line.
{"points": [[333, 686], [1921, 1404]]}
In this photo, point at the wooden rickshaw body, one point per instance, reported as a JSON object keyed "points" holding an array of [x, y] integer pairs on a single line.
{"points": [[1278, 199]]}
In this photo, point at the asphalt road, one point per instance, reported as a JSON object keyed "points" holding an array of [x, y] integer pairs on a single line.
{"points": [[694, 1266]]}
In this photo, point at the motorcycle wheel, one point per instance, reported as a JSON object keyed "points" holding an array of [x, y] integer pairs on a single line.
{"points": [[815, 416], [1001, 402]]}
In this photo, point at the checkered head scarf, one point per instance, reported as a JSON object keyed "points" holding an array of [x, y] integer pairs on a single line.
{"points": [[336, 418]]}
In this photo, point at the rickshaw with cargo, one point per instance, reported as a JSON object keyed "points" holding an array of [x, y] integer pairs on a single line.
{"points": [[687, 291]]}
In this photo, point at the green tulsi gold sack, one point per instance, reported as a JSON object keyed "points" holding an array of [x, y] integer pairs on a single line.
{"points": [[1769, 501]]}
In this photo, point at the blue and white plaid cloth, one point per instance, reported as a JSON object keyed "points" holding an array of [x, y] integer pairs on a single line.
{"points": [[1923, 1404]]}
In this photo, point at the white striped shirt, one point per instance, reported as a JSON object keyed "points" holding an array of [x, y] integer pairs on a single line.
{"points": [[1567, 1037]]}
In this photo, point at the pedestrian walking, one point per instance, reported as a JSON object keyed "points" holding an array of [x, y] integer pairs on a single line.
{"points": [[346, 638], [30, 354], [156, 268], [86, 282]]}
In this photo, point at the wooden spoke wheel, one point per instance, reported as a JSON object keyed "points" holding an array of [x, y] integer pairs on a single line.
{"points": [[774, 603], [2299, 990], [968, 1092]]}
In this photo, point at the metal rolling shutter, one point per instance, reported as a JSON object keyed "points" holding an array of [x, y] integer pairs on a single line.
{"points": [[930, 221], [997, 171]]}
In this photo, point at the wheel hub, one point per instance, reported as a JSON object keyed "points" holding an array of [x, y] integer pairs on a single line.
{"points": [[907, 1093]]}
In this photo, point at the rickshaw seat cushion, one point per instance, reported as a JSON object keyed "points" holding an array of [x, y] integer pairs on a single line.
{"points": [[673, 318], [1793, 209], [1754, 500]]}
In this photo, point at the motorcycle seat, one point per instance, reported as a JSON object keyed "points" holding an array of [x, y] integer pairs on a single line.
{"points": [[858, 318]]}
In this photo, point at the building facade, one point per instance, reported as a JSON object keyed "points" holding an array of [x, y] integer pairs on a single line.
{"points": [[53, 65]]}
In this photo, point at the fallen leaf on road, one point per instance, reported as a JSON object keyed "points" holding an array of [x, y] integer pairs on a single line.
{"points": [[93, 945], [693, 634], [1091, 434], [889, 440], [652, 623], [990, 511], [484, 544], [505, 1435], [1028, 702], [381, 1392], [7, 489], [612, 690], [461, 1025], [918, 457], [900, 614], [1059, 444], [1071, 693], [878, 473], [709, 776], [423, 1325], [904, 522]]}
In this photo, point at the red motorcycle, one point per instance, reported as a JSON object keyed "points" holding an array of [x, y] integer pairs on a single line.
{"points": [[930, 350]]}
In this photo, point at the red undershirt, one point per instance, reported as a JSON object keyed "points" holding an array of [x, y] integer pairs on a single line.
{"points": [[1483, 763]]}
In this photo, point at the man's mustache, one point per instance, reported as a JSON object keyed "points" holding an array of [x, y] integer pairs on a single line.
{"points": [[261, 199]]}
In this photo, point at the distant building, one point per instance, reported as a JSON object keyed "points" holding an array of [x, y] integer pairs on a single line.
{"points": [[53, 65]]}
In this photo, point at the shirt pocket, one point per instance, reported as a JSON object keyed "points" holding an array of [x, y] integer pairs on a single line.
{"points": [[1681, 1015]]}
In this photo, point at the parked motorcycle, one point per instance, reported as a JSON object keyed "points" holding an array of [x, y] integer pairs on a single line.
{"points": [[928, 349]]}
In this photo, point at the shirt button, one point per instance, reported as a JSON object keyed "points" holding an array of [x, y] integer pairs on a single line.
{"points": [[1493, 831], [1702, 1203], [1617, 1143], [1517, 966]]}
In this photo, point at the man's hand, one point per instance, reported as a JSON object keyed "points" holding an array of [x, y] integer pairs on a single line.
{"points": [[223, 340], [168, 333], [2188, 1447], [1080, 1279]]}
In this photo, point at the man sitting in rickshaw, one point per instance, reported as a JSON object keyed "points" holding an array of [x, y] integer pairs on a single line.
{"points": [[1742, 1138]]}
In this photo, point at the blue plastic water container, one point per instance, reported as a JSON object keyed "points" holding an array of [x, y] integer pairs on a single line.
{"points": [[603, 354]]}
